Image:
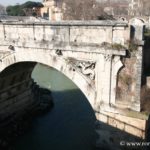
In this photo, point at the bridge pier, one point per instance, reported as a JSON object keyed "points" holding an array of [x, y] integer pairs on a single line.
{"points": [[120, 121], [115, 131]]}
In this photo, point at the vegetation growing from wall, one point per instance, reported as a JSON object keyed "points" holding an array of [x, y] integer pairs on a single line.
{"points": [[21, 10], [132, 46], [114, 46], [118, 46]]}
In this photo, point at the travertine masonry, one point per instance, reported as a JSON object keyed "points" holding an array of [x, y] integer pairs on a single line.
{"points": [[89, 53]]}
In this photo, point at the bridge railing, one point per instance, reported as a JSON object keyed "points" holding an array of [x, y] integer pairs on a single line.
{"points": [[63, 33]]}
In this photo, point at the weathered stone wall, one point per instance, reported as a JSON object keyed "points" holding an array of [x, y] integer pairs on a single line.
{"points": [[130, 77], [126, 84], [21, 99], [48, 35], [89, 54], [85, 42], [130, 125], [16, 95]]}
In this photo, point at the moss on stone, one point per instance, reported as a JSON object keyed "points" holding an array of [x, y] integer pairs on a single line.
{"points": [[134, 114]]}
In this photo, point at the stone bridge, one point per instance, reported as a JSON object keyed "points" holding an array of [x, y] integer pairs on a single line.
{"points": [[90, 53]]}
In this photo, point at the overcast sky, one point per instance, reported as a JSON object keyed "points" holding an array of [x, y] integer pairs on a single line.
{"points": [[13, 2]]}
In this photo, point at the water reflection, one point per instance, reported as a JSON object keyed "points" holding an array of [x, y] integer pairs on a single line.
{"points": [[69, 125]]}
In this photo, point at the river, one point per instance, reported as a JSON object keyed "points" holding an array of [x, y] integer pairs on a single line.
{"points": [[69, 125]]}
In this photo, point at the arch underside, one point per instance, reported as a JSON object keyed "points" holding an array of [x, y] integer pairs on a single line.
{"points": [[59, 63]]}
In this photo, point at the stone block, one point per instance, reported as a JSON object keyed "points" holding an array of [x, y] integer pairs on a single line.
{"points": [[115, 123], [102, 118], [134, 131], [135, 122]]}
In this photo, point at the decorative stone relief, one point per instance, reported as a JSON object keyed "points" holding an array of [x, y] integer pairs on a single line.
{"points": [[59, 52], [87, 68], [3, 54], [107, 57], [9, 50], [11, 47]]}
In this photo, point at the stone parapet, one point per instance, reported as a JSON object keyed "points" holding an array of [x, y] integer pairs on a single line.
{"points": [[75, 23], [63, 33]]}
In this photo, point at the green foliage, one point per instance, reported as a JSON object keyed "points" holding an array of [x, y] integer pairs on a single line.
{"points": [[118, 46], [133, 46], [19, 10], [30, 4], [114, 46], [15, 11], [34, 14]]}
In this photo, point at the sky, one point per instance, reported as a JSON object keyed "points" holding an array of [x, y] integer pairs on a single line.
{"points": [[13, 2]]}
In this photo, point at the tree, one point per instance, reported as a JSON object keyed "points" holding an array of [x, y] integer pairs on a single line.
{"points": [[30, 4], [82, 10], [146, 7], [15, 11], [21, 10]]}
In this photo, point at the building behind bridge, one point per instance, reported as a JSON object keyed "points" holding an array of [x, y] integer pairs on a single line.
{"points": [[52, 10]]}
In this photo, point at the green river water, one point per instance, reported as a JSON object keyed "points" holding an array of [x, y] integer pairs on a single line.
{"points": [[69, 125]]}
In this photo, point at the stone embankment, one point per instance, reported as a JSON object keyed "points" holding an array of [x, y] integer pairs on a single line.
{"points": [[12, 127]]}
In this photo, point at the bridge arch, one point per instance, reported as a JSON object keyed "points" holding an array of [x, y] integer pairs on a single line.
{"points": [[59, 63]]}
